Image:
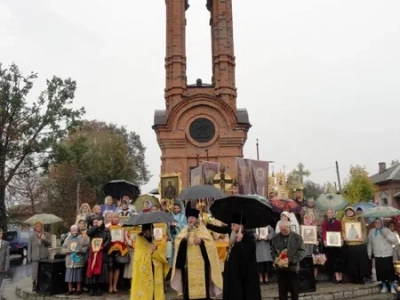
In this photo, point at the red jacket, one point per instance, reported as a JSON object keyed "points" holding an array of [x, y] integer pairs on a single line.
{"points": [[336, 226]]}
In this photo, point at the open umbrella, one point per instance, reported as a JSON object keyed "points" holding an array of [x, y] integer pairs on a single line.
{"points": [[200, 191], [365, 206], [117, 188], [280, 205], [258, 213], [331, 200], [44, 219], [381, 212], [150, 218]]}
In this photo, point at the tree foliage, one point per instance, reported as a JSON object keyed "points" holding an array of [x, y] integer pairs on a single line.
{"points": [[358, 186], [314, 190], [92, 155], [29, 129]]}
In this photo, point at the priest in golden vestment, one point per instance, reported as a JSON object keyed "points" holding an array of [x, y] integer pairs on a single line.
{"points": [[150, 267], [196, 271]]}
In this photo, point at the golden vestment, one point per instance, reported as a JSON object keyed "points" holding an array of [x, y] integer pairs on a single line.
{"points": [[147, 285], [195, 269]]}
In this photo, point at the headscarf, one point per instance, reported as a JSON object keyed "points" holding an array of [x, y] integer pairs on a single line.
{"points": [[286, 214], [377, 231], [332, 220], [148, 209]]}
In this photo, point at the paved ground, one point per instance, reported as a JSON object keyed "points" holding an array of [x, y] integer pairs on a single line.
{"points": [[325, 291]]}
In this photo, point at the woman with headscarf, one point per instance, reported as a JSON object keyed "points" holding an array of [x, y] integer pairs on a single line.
{"points": [[380, 241], [84, 212], [100, 240], [147, 206], [334, 254], [355, 250], [75, 247], [291, 218], [38, 248]]}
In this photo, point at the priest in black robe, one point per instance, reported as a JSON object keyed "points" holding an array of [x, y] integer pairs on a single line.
{"points": [[241, 281], [195, 254]]}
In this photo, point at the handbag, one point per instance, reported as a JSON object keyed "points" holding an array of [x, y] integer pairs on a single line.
{"points": [[123, 260]]}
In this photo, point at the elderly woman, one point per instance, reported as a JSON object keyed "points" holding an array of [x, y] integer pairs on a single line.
{"points": [[355, 251], [38, 248], [263, 252], [75, 247], [334, 254], [380, 241]]}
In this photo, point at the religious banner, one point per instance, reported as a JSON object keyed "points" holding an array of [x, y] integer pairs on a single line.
{"points": [[244, 173], [259, 172], [209, 170], [195, 176]]}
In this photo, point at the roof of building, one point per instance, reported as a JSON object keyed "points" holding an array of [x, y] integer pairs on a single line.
{"points": [[390, 174]]}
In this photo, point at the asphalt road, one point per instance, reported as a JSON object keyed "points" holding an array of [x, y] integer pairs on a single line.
{"points": [[18, 269]]}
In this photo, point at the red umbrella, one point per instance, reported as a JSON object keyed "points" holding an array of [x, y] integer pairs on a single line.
{"points": [[289, 205]]}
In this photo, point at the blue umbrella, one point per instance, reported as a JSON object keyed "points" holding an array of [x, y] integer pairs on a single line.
{"points": [[364, 205]]}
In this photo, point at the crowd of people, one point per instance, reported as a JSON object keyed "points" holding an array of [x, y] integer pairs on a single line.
{"points": [[234, 260]]}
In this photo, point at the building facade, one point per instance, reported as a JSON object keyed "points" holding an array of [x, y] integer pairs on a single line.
{"points": [[200, 120]]}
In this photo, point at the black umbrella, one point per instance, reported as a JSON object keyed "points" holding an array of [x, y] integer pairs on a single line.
{"points": [[257, 212], [117, 189], [150, 218], [200, 191]]}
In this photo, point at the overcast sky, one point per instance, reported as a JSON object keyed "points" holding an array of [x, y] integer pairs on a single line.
{"points": [[320, 79]]}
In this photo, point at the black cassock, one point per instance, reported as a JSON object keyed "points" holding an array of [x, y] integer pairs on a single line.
{"points": [[241, 279], [181, 263]]}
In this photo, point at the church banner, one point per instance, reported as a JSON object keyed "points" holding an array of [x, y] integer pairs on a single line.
{"points": [[195, 176], [209, 170], [245, 180], [259, 170]]}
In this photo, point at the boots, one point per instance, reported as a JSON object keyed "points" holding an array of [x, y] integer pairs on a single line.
{"points": [[98, 290], [34, 286], [92, 291]]}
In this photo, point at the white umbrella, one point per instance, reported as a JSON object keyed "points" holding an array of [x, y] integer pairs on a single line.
{"points": [[44, 219]]}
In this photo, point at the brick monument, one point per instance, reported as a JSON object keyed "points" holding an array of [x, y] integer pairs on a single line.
{"points": [[200, 121]]}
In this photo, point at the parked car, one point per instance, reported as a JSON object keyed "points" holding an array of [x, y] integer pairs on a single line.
{"points": [[18, 241]]}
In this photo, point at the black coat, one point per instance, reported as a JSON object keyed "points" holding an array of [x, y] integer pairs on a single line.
{"points": [[241, 279]]}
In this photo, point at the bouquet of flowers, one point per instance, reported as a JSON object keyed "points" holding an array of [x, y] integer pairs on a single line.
{"points": [[319, 259], [280, 260]]}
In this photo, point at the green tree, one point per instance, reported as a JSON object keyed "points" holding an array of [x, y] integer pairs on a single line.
{"points": [[29, 129], [312, 189], [359, 187], [88, 158], [136, 150]]}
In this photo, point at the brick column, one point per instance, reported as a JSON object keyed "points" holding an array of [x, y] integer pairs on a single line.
{"points": [[175, 60], [223, 50]]}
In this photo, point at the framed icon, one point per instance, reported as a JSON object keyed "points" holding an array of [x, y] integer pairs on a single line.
{"points": [[353, 231], [333, 239], [158, 234], [73, 245], [262, 233], [309, 234], [117, 235]]}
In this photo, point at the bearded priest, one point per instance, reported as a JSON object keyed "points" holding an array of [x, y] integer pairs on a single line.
{"points": [[196, 272]]}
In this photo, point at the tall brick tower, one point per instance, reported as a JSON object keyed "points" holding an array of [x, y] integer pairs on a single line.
{"points": [[200, 121]]}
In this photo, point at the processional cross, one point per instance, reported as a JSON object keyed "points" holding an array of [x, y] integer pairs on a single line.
{"points": [[221, 179], [301, 172]]}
